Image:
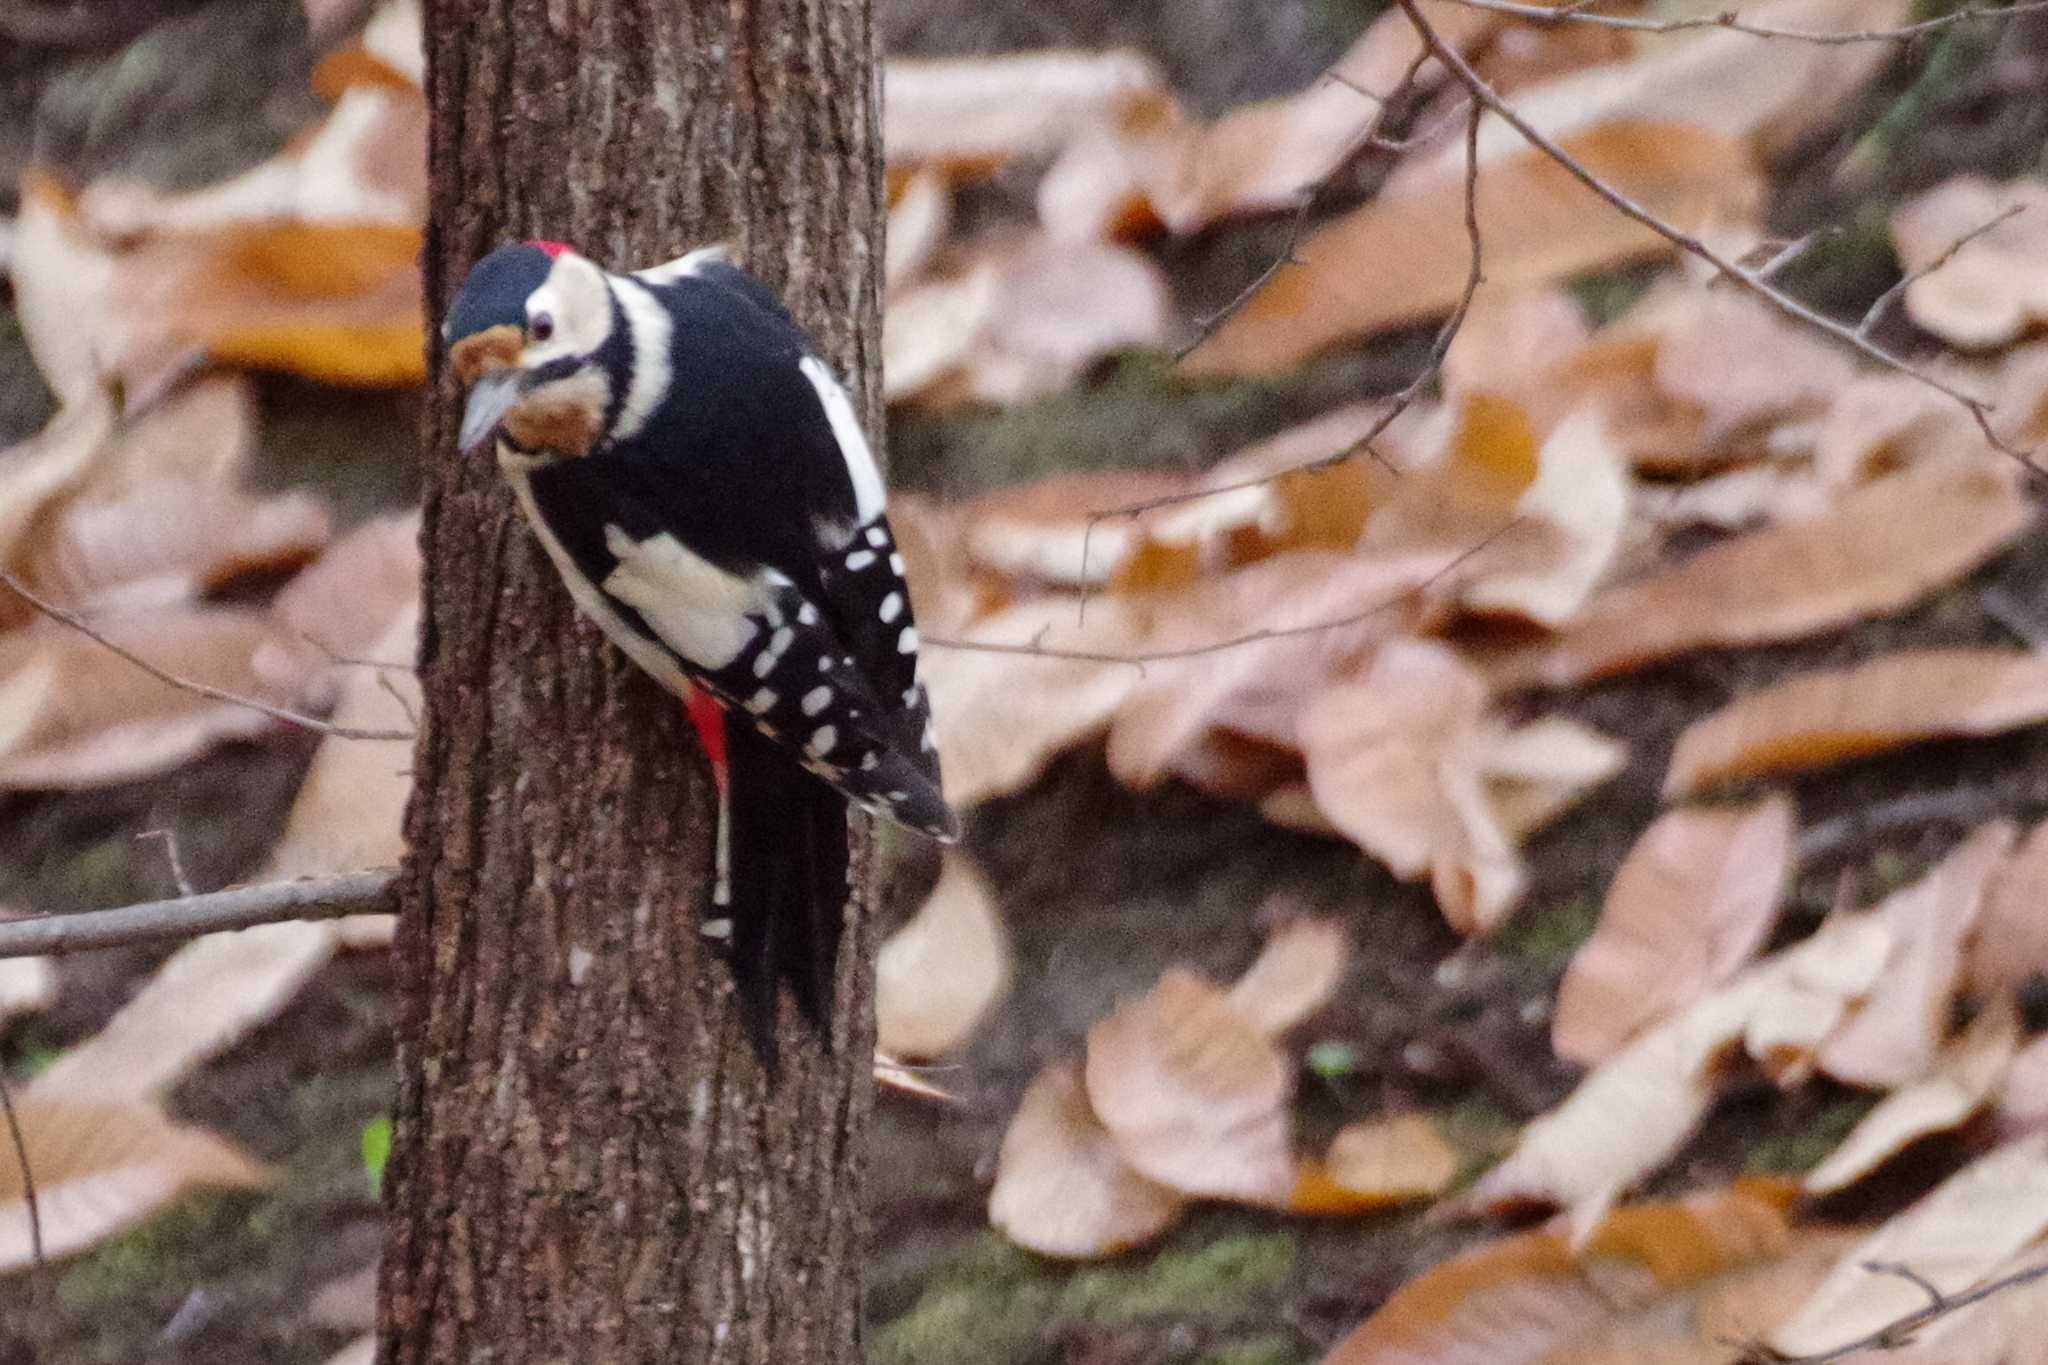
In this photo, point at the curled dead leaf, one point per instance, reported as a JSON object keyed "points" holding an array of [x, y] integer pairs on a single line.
{"points": [[1995, 285], [1378, 1163], [1062, 1186], [1668, 1281], [1194, 1095], [103, 1165], [1972, 1222], [1883, 546], [1964, 1080], [1690, 905], [1294, 975], [939, 974], [1813, 720], [2010, 945], [1897, 1034], [1409, 766], [1404, 256]]}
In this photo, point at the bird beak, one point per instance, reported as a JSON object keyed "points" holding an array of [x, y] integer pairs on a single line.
{"points": [[490, 398]]}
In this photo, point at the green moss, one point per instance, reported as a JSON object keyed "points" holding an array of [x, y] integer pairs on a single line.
{"points": [[1802, 1149], [1268, 1348], [1957, 53], [1850, 264], [1891, 870], [101, 873], [167, 1254], [1607, 294], [1547, 936], [994, 1302]]}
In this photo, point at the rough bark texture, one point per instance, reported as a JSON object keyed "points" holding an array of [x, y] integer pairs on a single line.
{"points": [[589, 1165]]}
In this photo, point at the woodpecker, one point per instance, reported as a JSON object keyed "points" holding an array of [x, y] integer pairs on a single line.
{"points": [[700, 479]]}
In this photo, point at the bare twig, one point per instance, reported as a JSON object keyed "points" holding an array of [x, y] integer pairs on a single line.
{"points": [[1140, 658], [171, 856], [242, 907], [1307, 196], [1875, 313], [28, 1189], [1750, 280], [1734, 23], [65, 617], [1900, 1330], [1400, 402]]}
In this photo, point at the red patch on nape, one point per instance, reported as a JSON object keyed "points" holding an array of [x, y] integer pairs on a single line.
{"points": [[553, 249], [709, 718]]}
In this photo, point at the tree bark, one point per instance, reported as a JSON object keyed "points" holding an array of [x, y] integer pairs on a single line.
{"points": [[589, 1165]]}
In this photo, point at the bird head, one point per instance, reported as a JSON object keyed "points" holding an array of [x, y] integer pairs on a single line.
{"points": [[525, 336]]}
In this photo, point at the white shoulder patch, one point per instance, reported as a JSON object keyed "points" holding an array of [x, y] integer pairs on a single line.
{"points": [[698, 609], [868, 497], [668, 272], [652, 332]]}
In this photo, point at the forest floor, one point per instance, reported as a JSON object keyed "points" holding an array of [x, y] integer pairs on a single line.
{"points": [[1100, 888]]}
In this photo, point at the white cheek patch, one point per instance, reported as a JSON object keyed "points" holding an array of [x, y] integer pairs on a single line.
{"points": [[652, 333], [698, 609], [576, 298], [868, 498]]}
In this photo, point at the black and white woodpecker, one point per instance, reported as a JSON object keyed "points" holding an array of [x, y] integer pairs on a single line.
{"points": [[700, 479]]}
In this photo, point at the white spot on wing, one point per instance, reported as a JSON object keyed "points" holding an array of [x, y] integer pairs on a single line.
{"points": [[868, 498], [652, 333], [822, 740], [906, 643], [860, 559], [896, 564], [763, 700], [892, 607], [877, 537], [698, 609], [817, 699], [807, 615]]}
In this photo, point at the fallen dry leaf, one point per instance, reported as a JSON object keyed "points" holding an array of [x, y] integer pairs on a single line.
{"points": [[361, 1351], [1973, 1222], [1708, 79], [1062, 1187], [1813, 720], [1742, 366], [1378, 1163], [1690, 905], [1022, 318], [1146, 163], [100, 1166], [344, 603], [970, 115], [350, 811], [2003, 1329], [938, 975], [1881, 423], [2023, 1103], [1895, 1037], [1001, 716], [1194, 1095], [1883, 547], [75, 714], [1995, 286], [206, 996], [1965, 1079], [920, 212], [1404, 257], [1635, 1110], [1664, 1282], [27, 984], [1294, 975], [347, 1304], [1259, 689], [2010, 946], [1407, 764]]}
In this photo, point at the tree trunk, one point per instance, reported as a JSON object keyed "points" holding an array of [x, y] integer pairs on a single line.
{"points": [[589, 1165]]}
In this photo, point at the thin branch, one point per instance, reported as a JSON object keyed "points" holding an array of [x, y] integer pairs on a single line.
{"points": [[1139, 659], [1876, 311], [1734, 23], [1900, 1330], [1307, 196], [65, 617], [1400, 402], [243, 907], [173, 857], [28, 1191], [1978, 408]]}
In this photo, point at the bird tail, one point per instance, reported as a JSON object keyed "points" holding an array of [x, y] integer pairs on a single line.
{"points": [[784, 874]]}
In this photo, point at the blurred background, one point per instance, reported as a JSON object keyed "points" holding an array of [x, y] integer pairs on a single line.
{"points": [[1545, 771]]}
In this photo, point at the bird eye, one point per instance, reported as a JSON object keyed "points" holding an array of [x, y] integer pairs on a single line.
{"points": [[542, 327]]}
